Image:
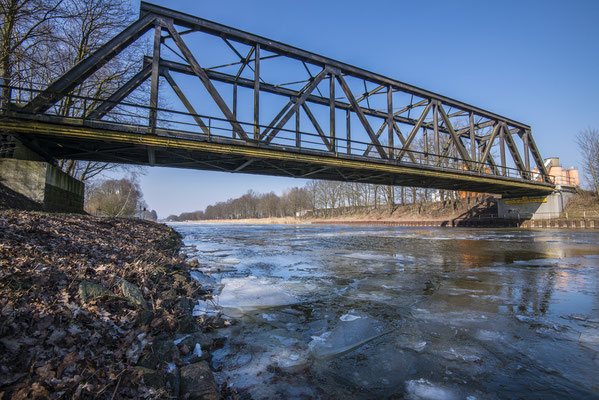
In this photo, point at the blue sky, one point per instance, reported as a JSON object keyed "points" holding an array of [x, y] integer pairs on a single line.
{"points": [[533, 61]]}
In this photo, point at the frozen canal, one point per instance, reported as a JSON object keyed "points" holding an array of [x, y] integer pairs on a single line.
{"points": [[380, 312]]}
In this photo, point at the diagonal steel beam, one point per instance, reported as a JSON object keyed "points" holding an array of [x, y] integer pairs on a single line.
{"points": [[185, 102], [511, 145], [300, 100], [361, 116], [488, 146], [276, 118], [412, 134], [199, 71], [403, 141], [370, 93], [212, 28], [244, 62], [281, 91], [378, 135], [456, 139], [537, 157], [317, 127], [244, 165], [107, 105], [67, 82], [399, 135]]}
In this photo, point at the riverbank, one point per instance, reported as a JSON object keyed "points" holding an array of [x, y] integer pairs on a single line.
{"points": [[582, 212], [98, 307]]}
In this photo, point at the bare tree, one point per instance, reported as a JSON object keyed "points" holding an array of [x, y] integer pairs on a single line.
{"points": [[92, 23], [25, 26], [40, 40], [115, 198], [588, 142]]}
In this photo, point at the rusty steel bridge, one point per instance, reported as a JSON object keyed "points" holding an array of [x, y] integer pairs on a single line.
{"points": [[239, 102]]}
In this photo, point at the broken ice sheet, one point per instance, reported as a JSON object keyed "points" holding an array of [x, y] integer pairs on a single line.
{"points": [[423, 389], [253, 293], [346, 336], [205, 307]]}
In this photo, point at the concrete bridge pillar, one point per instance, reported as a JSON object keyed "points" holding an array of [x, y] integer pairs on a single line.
{"points": [[25, 172], [541, 207]]}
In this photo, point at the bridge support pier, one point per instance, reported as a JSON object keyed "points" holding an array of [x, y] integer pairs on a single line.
{"points": [[543, 207], [23, 171]]}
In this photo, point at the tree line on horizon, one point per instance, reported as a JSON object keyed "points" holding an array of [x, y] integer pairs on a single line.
{"points": [[319, 198]]}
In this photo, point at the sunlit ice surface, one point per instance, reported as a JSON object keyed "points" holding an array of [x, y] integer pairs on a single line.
{"points": [[419, 313]]}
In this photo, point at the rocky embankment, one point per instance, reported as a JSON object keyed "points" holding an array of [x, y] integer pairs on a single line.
{"points": [[99, 308]]}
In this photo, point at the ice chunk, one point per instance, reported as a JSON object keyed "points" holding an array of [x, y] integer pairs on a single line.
{"points": [[367, 256], [268, 317], [197, 350], [422, 389], [346, 336], [417, 346], [490, 336], [205, 307], [182, 338], [252, 293], [203, 279], [230, 260], [349, 317]]}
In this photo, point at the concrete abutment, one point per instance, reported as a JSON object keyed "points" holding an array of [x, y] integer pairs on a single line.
{"points": [[535, 208], [23, 171]]}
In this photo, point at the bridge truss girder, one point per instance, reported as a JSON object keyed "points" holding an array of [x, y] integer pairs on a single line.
{"points": [[438, 137]]}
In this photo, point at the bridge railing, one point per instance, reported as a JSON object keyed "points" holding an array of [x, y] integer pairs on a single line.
{"points": [[136, 117]]}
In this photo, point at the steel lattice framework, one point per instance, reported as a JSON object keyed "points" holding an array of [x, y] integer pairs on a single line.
{"points": [[261, 106]]}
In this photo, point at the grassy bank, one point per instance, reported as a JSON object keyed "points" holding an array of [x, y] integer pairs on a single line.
{"points": [[90, 308], [431, 211]]}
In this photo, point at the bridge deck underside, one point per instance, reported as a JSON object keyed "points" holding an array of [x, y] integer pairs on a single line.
{"points": [[172, 149]]}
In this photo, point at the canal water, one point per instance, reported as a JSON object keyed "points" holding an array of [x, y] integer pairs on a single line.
{"points": [[385, 312]]}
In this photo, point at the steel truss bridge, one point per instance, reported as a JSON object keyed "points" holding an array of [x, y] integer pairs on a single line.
{"points": [[239, 102]]}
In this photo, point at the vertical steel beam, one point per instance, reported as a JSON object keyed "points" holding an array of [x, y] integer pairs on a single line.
{"points": [[155, 77], [390, 121], [332, 110], [298, 133], [526, 154], [425, 135], [234, 105], [257, 92], [502, 134], [348, 130], [436, 127], [472, 137]]}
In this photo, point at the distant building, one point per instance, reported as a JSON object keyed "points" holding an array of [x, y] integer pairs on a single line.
{"points": [[560, 175]]}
